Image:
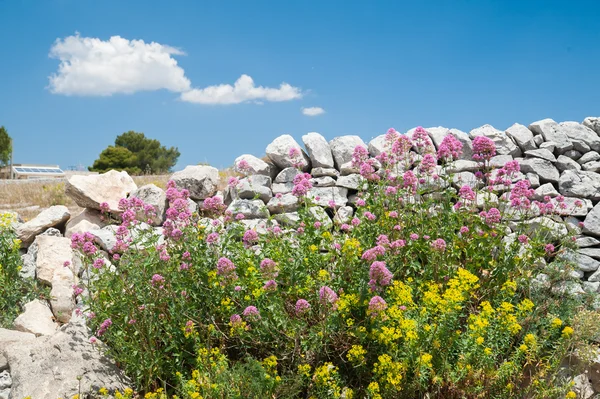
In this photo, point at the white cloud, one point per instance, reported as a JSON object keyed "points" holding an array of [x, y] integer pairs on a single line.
{"points": [[93, 67], [242, 90], [313, 111]]}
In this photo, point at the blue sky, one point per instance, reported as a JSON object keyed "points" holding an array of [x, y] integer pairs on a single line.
{"points": [[368, 65]]}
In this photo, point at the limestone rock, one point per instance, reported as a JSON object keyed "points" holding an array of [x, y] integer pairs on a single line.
{"points": [[51, 256], [463, 166], [156, 197], [591, 252], [538, 139], [541, 153], [86, 220], [321, 216], [92, 190], [36, 319], [318, 172], [551, 131], [522, 136], [288, 219], [591, 224], [593, 166], [200, 180], [251, 209], [504, 143], [54, 216], [575, 131], [533, 179], [61, 295], [500, 160], [28, 266], [342, 149], [287, 203], [324, 181], [282, 188], [541, 167], [580, 184], [565, 163], [585, 242], [325, 195], [343, 215], [255, 166], [589, 157], [60, 365], [105, 237], [287, 175], [318, 150], [353, 181], [251, 186], [378, 145], [548, 145], [279, 152], [592, 123], [580, 261], [545, 190]]}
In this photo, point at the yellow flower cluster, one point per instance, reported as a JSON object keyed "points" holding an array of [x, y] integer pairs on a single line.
{"points": [[356, 354], [351, 248], [304, 369], [389, 372], [325, 378]]}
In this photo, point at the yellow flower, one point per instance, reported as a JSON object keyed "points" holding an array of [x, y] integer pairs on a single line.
{"points": [[479, 340], [487, 351], [103, 391], [426, 360], [567, 332], [356, 354], [523, 348], [571, 395], [304, 369], [556, 322], [323, 275], [530, 340]]}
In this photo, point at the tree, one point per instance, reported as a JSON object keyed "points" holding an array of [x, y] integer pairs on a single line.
{"points": [[136, 154], [5, 147]]}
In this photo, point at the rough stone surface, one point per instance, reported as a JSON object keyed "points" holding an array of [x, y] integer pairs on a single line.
{"points": [[86, 220], [251, 209], [551, 131], [504, 143], [591, 224], [500, 160], [592, 123], [92, 190], [574, 155], [544, 169], [279, 152], [62, 300], [325, 195], [51, 256], [548, 145], [342, 149], [593, 166], [105, 237], [318, 150], [522, 137], [287, 203], [282, 188], [589, 157], [463, 166], [580, 261], [320, 215], [378, 145], [580, 184], [28, 267], [353, 181], [576, 131], [200, 180], [155, 196], [541, 153], [287, 175], [256, 166], [343, 215], [545, 190], [51, 217], [324, 181], [318, 172], [36, 319], [291, 219], [251, 186], [591, 252], [565, 163], [60, 365]]}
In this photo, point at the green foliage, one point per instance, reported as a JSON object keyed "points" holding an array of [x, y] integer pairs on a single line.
{"points": [[14, 291], [136, 154], [5, 147]]}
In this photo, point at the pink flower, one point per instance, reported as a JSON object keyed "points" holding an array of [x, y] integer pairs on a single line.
{"points": [[328, 296], [236, 321], [393, 214], [251, 312], [492, 216], [549, 248], [428, 164], [67, 263], [268, 268], [157, 279], [317, 225], [370, 216], [414, 236], [104, 326], [302, 184], [409, 181], [243, 166], [372, 254], [302, 306], [250, 237], [523, 239], [93, 340], [421, 140], [212, 238], [379, 275], [464, 230], [467, 193], [450, 149], [376, 306], [439, 245], [270, 285], [355, 221], [237, 288], [484, 148], [226, 269], [360, 202]]}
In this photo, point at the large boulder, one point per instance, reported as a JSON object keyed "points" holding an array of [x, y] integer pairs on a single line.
{"points": [[252, 186], [36, 319], [285, 204], [51, 256], [378, 145], [86, 220], [592, 123], [251, 165], [504, 143], [54, 216], [541, 167], [541, 153], [60, 365], [575, 131], [551, 131], [522, 136], [250, 209], [591, 224], [580, 184], [565, 163], [280, 149], [342, 149], [200, 180], [92, 190], [318, 150], [153, 195]]}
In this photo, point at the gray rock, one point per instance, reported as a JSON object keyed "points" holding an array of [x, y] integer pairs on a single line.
{"points": [[591, 252], [463, 166], [287, 175], [538, 139], [51, 256], [573, 154], [105, 237], [378, 145], [546, 189], [593, 166], [325, 195], [575, 131], [551, 131], [255, 166], [555, 230], [291, 219], [541, 153], [36, 319], [343, 215], [92, 190], [282, 188], [353, 182], [533, 179], [573, 225], [318, 150], [287, 203], [548, 145], [569, 207], [28, 266], [522, 137], [324, 181], [253, 186], [321, 216], [154, 196], [544, 169], [565, 163], [61, 365], [580, 261], [62, 300], [54, 216], [591, 224], [569, 288], [86, 220], [466, 178], [5, 380], [585, 242], [279, 152], [591, 287], [504, 143], [592, 123], [200, 180], [500, 160], [318, 172], [589, 157], [580, 184], [581, 383], [251, 209], [342, 149], [580, 146], [261, 226]]}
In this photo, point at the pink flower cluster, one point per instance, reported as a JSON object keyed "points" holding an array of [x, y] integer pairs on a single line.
{"points": [[302, 307], [252, 313], [484, 148], [226, 269], [379, 276], [491, 217], [103, 327], [421, 141], [376, 305], [450, 149], [268, 268], [327, 296], [84, 242], [178, 214], [133, 209], [302, 184]]}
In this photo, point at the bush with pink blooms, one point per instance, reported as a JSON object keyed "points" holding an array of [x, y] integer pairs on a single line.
{"points": [[430, 291]]}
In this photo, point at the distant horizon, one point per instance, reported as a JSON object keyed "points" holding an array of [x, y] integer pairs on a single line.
{"points": [[218, 82]]}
